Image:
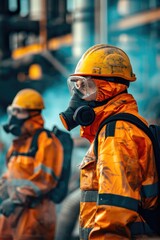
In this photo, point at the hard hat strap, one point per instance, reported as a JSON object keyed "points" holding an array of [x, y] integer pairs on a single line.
{"points": [[113, 79]]}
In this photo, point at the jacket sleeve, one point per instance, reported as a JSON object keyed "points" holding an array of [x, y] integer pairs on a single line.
{"points": [[123, 167], [47, 166], [4, 179]]}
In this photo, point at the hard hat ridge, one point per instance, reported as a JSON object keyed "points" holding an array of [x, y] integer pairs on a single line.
{"points": [[28, 99], [105, 60]]}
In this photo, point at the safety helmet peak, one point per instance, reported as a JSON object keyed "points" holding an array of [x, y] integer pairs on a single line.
{"points": [[105, 61], [28, 99]]}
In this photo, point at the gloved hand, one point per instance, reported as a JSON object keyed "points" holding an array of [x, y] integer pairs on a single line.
{"points": [[8, 206]]}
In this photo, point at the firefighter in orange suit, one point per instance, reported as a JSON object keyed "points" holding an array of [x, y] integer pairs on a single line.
{"points": [[111, 184], [27, 213]]}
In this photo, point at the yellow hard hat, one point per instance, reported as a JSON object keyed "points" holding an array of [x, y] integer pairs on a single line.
{"points": [[105, 61], [28, 99]]}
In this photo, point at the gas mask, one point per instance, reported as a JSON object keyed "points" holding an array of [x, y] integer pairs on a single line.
{"points": [[79, 112], [14, 125], [81, 107]]}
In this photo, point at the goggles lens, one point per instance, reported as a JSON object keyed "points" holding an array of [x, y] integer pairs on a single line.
{"points": [[13, 110], [85, 87]]}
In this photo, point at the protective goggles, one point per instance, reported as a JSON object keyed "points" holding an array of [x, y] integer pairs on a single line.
{"points": [[85, 87], [15, 110]]}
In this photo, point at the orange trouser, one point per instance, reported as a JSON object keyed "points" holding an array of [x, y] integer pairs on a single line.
{"points": [[30, 224]]}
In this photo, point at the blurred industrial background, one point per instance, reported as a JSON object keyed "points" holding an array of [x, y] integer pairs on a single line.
{"points": [[41, 42]]}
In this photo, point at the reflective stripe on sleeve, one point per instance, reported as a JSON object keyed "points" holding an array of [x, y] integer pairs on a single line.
{"points": [[46, 170], [118, 201], [89, 196]]}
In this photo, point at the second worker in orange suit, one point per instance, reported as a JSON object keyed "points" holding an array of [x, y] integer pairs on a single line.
{"points": [[27, 211]]}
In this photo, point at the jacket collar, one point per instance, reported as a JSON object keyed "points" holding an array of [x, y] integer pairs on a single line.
{"points": [[120, 103]]}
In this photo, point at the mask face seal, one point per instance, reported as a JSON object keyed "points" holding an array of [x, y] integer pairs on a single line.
{"points": [[80, 110], [84, 92]]}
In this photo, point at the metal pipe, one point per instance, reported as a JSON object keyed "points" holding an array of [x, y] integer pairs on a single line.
{"points": [[83, 26], [66, 223], [55, 63], [101, 21], [43, 25]]}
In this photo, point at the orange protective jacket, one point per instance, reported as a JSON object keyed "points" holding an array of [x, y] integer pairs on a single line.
{"points": [[112, 185], [31, 178]]}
